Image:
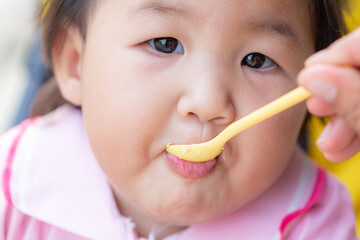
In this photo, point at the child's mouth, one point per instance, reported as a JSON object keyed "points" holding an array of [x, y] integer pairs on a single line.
{"points": [[190, 169]]}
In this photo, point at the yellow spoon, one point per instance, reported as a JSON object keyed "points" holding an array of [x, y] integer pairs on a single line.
{"points": [[209, 150]]}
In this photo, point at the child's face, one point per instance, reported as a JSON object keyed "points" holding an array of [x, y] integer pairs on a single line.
{"points": [[154, 72]]}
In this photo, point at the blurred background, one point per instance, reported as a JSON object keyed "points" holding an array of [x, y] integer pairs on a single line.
{"points": [[17, 34], [22, 72]]}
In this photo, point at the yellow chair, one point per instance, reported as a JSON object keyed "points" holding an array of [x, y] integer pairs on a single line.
{"points": [[353, 17], [349, 171]]}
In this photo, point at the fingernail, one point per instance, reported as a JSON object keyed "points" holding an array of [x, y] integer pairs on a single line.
{"points": [[324, 134], [325, 90]]}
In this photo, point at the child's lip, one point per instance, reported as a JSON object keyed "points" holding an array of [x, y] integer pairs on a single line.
{"points": [[190, 169]]}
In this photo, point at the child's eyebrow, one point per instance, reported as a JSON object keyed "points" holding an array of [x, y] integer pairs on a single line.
{"points": [[275, 27], [161, 8], [258, 23]]}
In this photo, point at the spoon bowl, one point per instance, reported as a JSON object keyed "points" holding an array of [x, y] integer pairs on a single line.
{"points": [[209, 150]]}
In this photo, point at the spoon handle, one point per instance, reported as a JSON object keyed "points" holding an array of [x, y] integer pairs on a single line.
{"points": [[278, 105]]}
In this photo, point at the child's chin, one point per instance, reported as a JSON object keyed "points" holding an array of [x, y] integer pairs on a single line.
{"points": [[188, 216]]}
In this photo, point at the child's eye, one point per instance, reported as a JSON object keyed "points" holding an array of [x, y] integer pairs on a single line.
{"points": [[166, 45], [258, 61]]}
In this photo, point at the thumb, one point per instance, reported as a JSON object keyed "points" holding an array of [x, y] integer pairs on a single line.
{"points": [[337, 87]]}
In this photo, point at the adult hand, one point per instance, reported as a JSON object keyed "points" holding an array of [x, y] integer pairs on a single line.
{"points": [[333, 77]]}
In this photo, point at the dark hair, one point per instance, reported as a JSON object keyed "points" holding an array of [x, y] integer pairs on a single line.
{"points": [[328, 21], [57, 15]]}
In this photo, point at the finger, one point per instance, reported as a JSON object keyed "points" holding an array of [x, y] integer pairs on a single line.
{"points": [[319, 107], [315, 105], [345, 51], [336, 136], [344, 154], [337, 86]]}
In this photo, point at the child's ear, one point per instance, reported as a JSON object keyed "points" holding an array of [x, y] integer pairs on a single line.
{"points": [[66, 59]]}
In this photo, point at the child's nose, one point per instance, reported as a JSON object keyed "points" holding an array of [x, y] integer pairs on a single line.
{"points": [[207, 98]]}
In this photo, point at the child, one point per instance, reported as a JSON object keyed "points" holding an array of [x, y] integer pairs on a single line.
{"points": [[140, 74]]}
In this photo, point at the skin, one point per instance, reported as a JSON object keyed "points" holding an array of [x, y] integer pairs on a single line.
{"points": [[135, 100], [333, 77]]}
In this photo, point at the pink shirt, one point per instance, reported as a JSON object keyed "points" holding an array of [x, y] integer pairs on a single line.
{"points": [[53, 188]]}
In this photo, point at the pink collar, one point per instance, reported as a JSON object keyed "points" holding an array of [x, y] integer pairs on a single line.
{"points": [[53, 162]]}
